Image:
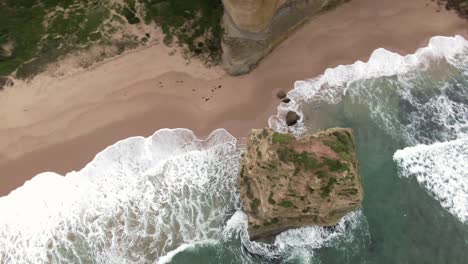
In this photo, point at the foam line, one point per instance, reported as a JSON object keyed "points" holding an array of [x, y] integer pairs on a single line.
{"points": [[334, 83], [442, 169], [136, 201]]}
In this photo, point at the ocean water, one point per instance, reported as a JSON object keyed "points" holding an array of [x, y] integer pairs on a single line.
{"points": [[172, 198]]}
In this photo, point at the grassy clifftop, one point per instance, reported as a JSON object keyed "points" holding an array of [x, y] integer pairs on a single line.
{"points": [[36, 32], [289, 182], [195, 23]]}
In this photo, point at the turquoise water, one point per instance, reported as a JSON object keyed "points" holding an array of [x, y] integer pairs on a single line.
{"points": [[172, 198], [402, 222], [406, 224]]}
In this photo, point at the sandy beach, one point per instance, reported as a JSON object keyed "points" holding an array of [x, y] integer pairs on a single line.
{"points": [[58, 122]]}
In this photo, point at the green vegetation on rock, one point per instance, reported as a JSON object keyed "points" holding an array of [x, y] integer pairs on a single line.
{"points": [[348, 192], [303, 160], [279, 138], [298, 180], [286, 204], [341, 143], [326, 190], [335, 165]]}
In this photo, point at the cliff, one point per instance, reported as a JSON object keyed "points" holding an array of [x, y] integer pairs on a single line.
{"points": [[254, 27], [288, 183]]}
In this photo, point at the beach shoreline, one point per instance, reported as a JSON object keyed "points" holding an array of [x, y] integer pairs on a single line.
{"points": [[61, 124]]}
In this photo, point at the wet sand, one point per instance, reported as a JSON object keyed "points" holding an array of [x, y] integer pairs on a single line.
{"points": [[59, 123]]}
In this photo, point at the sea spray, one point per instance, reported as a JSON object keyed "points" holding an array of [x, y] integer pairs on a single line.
{"points": [[298, 243], [420, 98], [141, 200], [368, 82], [156, 199], [441, 168], [136, 201]]}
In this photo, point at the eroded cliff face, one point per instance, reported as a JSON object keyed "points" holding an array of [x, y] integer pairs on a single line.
{"points": [[251, 15], [288, 183], [254, 27]]}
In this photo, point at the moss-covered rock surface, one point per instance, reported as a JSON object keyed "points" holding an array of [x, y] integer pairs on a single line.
{"points": [[287, 182]]}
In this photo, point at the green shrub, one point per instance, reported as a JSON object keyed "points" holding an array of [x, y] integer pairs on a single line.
{"points": [[326, 190], [282, 139], [341, 143], [283, 154], [286, 204], [35, 44], [254, 205], [189, 20], [335, 165]]}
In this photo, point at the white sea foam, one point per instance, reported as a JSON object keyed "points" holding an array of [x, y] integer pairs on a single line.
{"points": [[297, 243], [168, 257], [420, 98], [142, 200], [354, 79], [136, 201], [148, 199], [441, 168]]}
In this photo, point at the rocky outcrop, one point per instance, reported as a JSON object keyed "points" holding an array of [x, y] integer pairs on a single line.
{"points": [[254, 27], [288, 183], [292, 118]]}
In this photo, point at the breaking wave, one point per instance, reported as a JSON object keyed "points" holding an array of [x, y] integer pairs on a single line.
{"points": [[299, 243], [394, 88], [442, 168], [147, 200], [141, 200], [420, 98], [136, 201]]}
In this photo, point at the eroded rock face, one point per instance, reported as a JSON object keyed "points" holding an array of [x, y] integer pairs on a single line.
{"points": [[288, 183], [254, 27], [251, 15]]}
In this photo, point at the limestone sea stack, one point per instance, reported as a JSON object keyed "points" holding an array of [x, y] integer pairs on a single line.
{"points": [[289, 182]]}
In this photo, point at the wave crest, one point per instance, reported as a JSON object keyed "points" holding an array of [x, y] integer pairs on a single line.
{"points": [[441, 168], [136, 201], [388, 79]]}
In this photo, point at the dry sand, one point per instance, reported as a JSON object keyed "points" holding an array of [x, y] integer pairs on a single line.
{"points": [[60, 123]]}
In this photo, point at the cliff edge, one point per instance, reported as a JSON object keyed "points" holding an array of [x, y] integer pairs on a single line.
{"points": [[288, 183], [254, 27]]}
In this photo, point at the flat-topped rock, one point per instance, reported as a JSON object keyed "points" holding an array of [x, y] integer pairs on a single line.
{"points": [[288, 183]]}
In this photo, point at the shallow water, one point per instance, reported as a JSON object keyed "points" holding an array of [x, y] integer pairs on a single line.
{"points": [[172, 198]]}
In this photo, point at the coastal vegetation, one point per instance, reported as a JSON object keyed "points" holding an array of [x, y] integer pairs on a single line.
{"points": [[195, 24], [284, 179], [34, 33], [460, 6], [279, 138]]}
